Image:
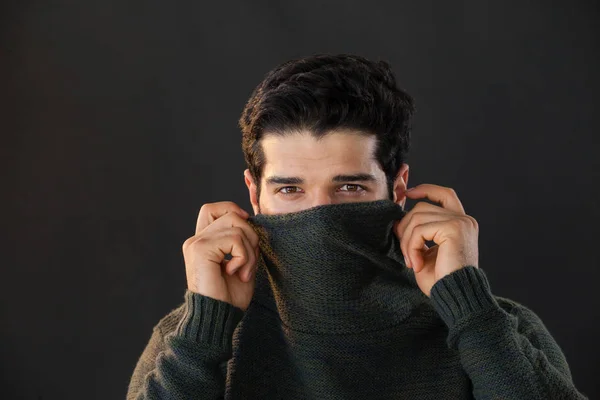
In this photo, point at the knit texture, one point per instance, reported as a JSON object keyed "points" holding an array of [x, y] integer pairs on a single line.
{"points": [[336, 314]]}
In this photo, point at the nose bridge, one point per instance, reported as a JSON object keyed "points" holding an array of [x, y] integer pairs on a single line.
{"points": [[322, 196]]}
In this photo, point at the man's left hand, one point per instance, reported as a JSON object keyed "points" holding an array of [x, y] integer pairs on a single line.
{"points": [[454, 233]]}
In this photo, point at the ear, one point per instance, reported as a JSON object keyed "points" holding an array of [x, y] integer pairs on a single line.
{"points": [[400, 185], [251, 190]]}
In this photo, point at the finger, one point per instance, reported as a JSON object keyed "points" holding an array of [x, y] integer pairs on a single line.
{"points": [[234, 242], [245, 271], [212, 211], [421, 234], [233, 220], [424, 249], [446, 196], [417, 219], [418, 208]]}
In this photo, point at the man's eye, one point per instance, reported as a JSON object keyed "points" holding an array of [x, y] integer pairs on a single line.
{"points": [[285, 190], [353, 188]]}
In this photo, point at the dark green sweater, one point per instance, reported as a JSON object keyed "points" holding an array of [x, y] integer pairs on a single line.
{"points": [[336, 314]]}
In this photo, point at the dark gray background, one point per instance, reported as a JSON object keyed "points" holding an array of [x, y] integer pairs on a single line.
{"points": [[119, 120]]}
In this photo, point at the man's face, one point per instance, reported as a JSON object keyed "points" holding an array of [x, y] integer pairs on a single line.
{"points": [[301, 172]]}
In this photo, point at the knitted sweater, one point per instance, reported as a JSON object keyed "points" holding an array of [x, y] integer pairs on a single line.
{"points": [[336, 314]]}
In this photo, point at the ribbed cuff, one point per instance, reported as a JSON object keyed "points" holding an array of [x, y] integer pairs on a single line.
{"points": [[462, 294], [207, 320]]}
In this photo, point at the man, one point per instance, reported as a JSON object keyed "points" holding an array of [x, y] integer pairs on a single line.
{"points": [[331, 290]]}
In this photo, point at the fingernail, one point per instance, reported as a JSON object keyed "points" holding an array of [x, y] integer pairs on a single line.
{"points": [[408, 190]]}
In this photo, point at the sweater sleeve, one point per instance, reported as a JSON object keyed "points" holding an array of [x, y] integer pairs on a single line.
{"points": [[508, 355], [191, 361]]}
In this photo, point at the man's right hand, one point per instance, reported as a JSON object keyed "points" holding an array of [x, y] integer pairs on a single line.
{"points": [[222, 229]]}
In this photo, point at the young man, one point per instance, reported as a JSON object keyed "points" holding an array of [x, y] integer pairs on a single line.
{"points": [[331, 290]]}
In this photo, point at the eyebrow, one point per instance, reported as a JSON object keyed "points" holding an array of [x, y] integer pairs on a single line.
{"points": [[294, 180]]}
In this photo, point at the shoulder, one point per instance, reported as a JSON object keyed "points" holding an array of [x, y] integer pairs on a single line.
{"points": [[168, 323], [525, 318]]}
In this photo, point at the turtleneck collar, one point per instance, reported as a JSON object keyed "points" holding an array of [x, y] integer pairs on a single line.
{"points": [[335, 268]]}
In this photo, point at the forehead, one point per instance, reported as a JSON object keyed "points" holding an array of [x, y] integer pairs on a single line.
{"points": [[302, 149]]}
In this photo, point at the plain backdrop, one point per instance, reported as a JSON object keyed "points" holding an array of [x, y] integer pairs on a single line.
{"points": [[119, 121]]}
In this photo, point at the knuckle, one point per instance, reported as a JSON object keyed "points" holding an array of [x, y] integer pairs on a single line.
{"points": [[231, 217], [417, 217], [191, 241], [237, 236], [194, 246], [205, 208], [403, 243], [199, 242], [254, 239], [458, 223], [251, 258], [474, 222], [235, 217], [229, 205], [238, 231], [415, 233]]}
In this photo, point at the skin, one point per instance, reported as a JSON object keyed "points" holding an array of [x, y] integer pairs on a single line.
{"points": [[315, 163], [455, 233]]}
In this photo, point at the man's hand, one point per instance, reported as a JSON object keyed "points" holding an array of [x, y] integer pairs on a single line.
{"points": [[222, 229], [455, 234]]}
